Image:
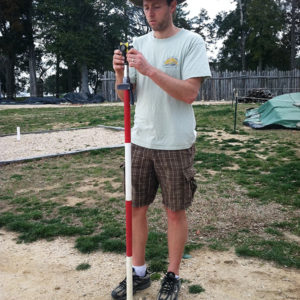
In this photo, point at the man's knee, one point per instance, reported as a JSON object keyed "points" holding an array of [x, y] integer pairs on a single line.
{"points": [[139, 212], [176, 216]]}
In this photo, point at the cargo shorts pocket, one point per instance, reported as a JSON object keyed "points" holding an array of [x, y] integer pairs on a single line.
{"points": [[189, 175]]}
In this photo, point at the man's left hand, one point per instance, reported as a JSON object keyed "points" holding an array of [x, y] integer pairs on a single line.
{"points": [[137, 60]]}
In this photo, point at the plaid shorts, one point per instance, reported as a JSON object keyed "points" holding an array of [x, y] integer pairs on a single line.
{"points": [[172, 170]]}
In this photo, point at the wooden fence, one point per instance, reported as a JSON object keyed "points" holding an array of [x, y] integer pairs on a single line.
{"points": [[222, 84]]}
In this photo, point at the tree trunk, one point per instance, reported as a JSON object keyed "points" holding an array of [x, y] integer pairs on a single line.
{"points": [[293, 36], [243, 38], [97, 83], [32, 71], [57, 76], [84, 80], [2, 73], [32, 61], [10, 76], [70, 79]]}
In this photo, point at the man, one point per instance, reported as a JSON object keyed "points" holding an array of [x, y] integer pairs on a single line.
{"points": [[167, 67]]}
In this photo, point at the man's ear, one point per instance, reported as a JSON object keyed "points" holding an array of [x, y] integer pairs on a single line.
{"points": [[173, 5]]}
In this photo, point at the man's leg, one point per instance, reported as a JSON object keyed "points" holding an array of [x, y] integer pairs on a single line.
{"points": [[177, 237], [139, 234]]}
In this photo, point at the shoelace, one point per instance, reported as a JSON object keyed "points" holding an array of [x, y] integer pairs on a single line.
{"points": [[167, 285], [123, 283]]}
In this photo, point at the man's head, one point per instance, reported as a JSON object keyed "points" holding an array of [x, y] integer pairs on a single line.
{"points": [[140, 2], [159, 13]]}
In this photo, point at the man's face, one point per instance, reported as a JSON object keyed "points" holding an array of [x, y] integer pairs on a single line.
{"points": [[158, 13]]}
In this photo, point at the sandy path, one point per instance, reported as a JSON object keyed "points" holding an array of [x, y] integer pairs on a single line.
{"points": [[46, 271]]}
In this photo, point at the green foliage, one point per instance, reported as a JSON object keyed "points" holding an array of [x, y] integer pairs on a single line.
{"points": [[265, 20], [190, 247], [292, 225], [37, 119], [157, 251], [88, 244], [281, 184], [214, 161], [196, 289], [155, 277], [83, 266], [16, 177], [114, 245], [262, 20], [218, 246], [273, 231], [282, 252], [32, 227]]}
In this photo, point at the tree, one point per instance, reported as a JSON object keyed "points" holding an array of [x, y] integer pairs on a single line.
{"points": [[243, 37], [181, 19], [83, 33], [12, 38], [293, 35], [291, 32], [265, 21], [203, 25], [229, 28], [29, 36], [252, 35]]}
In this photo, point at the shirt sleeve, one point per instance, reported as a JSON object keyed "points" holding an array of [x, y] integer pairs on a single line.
{"points": [[195, 62]]}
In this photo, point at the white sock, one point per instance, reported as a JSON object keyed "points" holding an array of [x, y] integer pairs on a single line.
{"points": [[140, 270], [176, 276]]}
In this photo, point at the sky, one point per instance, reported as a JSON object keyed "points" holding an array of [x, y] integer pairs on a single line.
{"points": [[212, 6]]}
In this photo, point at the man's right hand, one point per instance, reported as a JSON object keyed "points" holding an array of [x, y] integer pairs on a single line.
{"points": [[118, 63]]}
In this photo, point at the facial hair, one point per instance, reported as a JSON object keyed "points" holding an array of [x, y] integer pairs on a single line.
{"points": [[161, 26]]}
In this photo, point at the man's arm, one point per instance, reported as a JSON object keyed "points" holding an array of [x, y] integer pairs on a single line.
{"points": [[183, 90]]}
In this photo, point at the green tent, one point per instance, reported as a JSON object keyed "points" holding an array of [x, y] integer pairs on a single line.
{"points": [[281, 111]]}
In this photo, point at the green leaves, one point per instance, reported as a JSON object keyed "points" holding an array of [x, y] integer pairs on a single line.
{"points": [[262, 23]]}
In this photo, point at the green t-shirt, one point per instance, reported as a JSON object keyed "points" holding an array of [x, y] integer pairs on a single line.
{"points": [[161, 121]]}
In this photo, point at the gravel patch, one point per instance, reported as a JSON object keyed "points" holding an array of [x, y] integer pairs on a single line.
{"points": [[58, 142]]}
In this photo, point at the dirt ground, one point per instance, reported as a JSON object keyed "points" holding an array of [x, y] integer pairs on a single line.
{"points": [[47, 270]]}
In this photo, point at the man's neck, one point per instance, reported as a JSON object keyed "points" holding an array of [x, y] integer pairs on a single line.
{"points": [[168, 32]]}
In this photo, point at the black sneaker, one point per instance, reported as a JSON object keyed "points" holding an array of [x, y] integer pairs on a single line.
{"points": [[170, 287], [139, 283]]}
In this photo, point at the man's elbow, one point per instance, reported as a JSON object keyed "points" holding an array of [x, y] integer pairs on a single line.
{"points": [[191, 97]]}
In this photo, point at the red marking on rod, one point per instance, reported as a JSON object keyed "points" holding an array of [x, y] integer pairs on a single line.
{"points": [[128, 228], [127, 124]]}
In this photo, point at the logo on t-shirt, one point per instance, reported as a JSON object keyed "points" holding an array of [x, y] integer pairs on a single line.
{"points": [[171, 62]]}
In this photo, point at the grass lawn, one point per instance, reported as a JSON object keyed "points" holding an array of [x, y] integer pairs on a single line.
{"points": [[248, 193]]}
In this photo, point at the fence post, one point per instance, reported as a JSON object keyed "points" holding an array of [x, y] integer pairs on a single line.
{"points": [[236, 93]]}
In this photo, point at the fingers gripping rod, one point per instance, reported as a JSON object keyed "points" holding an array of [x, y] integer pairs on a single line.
{"points": [[126, 87]]}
